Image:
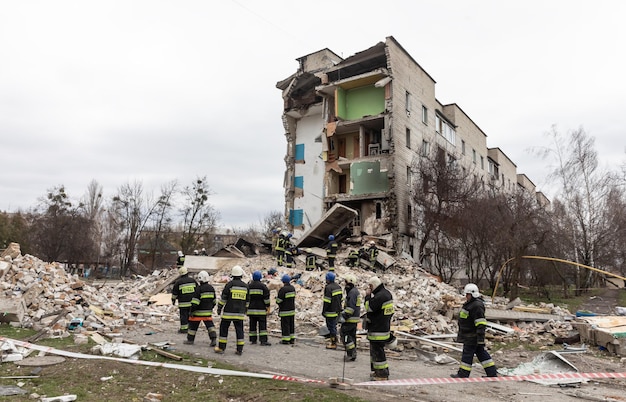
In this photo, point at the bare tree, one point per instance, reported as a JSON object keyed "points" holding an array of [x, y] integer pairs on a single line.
{"points": [[161, 221], [199, 217]]}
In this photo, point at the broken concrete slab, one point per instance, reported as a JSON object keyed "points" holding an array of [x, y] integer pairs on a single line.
{"points": [[605, 331], [197, 263], [332, 222]]}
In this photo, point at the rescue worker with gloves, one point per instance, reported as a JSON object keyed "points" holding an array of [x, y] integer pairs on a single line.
{"points": [[472, 325], [201, 311], [234, 302], [333, 298]]}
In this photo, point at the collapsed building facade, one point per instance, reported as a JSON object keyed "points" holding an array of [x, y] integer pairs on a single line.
{"points": [[354, 127]]}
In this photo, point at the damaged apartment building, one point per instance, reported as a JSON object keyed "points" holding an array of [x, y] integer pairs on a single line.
{"points": [[354, 127]]}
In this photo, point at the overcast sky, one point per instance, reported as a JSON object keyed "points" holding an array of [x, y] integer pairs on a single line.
{"points": [[154, 91]]}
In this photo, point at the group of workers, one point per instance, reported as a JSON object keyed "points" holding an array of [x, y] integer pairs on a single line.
{"points": [[284, 250], [197, 298]]}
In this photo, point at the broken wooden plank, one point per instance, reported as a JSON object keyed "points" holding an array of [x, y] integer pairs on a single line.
{"points": [[39, 334], [426, 340], [163, 353]]}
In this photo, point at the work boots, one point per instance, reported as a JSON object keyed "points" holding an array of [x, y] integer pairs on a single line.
{"points": [[333, 343], [213, 339]]}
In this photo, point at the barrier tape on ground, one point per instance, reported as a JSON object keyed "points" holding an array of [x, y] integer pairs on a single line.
{"points": [[195, 369], [530, 377]]}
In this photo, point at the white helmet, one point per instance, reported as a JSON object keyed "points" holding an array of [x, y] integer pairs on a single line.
{"points": [[203, 276], [374, 282], [236, 271], [471, 289], [180, 253], [350, 279], [182, 270]]}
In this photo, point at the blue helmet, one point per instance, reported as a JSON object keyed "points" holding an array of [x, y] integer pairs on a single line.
{"points": [[257, 275], [331, 237], [289, 235], [330, 277], [286, 278]]}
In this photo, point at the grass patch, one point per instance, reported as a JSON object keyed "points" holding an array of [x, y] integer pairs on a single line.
{"points": [[105, 380], [556, 297]]}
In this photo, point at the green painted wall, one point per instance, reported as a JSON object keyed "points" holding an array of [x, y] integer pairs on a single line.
{"points": [[355, 103], [367, 178]]}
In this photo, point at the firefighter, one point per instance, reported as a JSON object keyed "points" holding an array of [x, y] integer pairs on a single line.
{"points": [[472, 324], [180, 260], [350, 317], [258, 309], [183, 291], [333, 297], [372, 253], [286, 301], [331, 252], [202, 310], [379, 308], [234, 301], [311, 262], [281, 243], [354, 258]]}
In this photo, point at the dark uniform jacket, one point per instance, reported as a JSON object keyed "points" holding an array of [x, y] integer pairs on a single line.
{"points": [[472, 322], [203, 301], [259, 298], [234, 300], [286, 300], [331, 251], [183, 290], [333, 298], [379, 307], [352, 310], [180, 261]]}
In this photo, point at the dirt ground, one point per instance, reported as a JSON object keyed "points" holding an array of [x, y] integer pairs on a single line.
{"points": [[309, 359]]}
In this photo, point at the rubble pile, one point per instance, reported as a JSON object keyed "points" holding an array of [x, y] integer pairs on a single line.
{"points": [[44, 296]]}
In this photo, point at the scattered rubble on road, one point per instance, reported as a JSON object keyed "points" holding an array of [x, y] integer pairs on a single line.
{"points": [[43, 296]]}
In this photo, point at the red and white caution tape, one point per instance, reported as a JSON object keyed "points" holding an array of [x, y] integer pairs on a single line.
{"points": [[530, 377]]}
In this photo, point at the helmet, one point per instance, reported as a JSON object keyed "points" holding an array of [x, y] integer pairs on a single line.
{"points": [[203, 276], [180, 253], [374, 282], [372, 243], [236, 271], [330, 277], [331, 237], [283, 233], [471, 289], [309, 250], [286, 278], [289, 235], [257, 275], [350, 279], [182, 270]]}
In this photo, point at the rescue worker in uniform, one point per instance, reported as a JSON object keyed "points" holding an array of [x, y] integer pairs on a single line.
{"points": [[333, 298], [331, 252], [258, 309], [310, 262], [183, 291], [354, 258], [372, 253], [350, 317], [202, 310], [472, 325], [379, 308], [180, 260], [281, 243], [286, 301], [234, 302]]}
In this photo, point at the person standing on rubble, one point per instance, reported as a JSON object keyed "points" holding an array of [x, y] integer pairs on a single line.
{"points": [[333, 298], [350, 317], [372, 253], [258, 309], [331, 252], [183, 291], [234, 302], [472, 325], [180, 260], [354, 258], [281, 243], [379, 310], [202, 305], [310, 262], [286, 301]]}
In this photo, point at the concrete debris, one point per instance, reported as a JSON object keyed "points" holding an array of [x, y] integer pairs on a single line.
{"points": [[33, 292]]}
